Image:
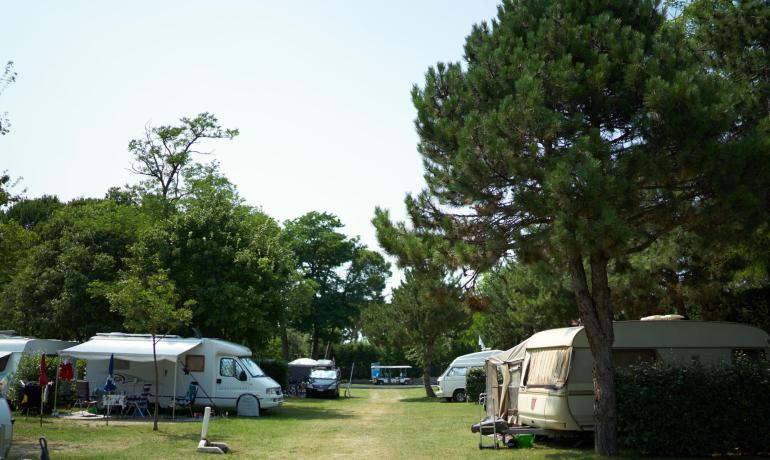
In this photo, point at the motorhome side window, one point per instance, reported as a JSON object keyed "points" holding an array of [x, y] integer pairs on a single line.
{"points": [[195, 363], [4, 361], [548, 367], [122, 365], [228, 367], [457, 372]]}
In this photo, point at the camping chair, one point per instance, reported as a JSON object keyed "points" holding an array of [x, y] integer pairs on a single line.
{"points": [[83, 395], [189, 399], [30, 398], [141, 404]]}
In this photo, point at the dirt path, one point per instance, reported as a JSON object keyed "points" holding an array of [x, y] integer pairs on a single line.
{"points": [[363, 431]]}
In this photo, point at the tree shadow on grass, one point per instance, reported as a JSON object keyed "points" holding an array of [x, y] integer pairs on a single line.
{"points": [[312, 413], [423, 399]]}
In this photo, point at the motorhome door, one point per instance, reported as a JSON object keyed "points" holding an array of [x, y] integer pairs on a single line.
{"points": [[231, 381]]}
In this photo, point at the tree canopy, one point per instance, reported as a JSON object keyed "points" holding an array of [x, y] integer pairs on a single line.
{"points": [[580, 132]]}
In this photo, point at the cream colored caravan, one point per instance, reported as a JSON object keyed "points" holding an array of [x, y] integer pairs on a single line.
{"points": [[546, 381]]}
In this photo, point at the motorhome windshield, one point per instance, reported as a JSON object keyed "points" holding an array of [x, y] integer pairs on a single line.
{"points": [[252, 367], [323, 374]]}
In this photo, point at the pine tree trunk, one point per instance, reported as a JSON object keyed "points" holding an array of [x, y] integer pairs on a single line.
{"points": [[595, 307], [285, 343], [426, 366], [314, 344], [157, 379]]}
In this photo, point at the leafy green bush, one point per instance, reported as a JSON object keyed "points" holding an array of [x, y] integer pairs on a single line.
{"points": [[28, 370], [695, 410], [278, 370], [475, 383]]}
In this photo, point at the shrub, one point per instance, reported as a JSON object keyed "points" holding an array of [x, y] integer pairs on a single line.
{"points": [[475, 383], [695, 410], [278, 370], [28, 370]]}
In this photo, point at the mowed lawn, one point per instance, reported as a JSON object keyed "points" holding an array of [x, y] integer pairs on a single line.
{"points": [[376, 423]]}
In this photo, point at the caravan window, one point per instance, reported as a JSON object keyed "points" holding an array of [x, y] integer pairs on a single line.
{"points": [[623, 358], [122, 364], [229, 368], [457, 372], [547, 367], [4, 361], [195, 363]]}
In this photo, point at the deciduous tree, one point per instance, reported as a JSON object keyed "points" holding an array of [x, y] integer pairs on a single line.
{"points": [[7, 77], [347, 275], [167, 151], [150, 304]]}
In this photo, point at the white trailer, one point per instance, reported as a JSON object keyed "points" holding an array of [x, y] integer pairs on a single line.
{"points": [[547, 380], [12, 347], [451, 384], [226, 375]]}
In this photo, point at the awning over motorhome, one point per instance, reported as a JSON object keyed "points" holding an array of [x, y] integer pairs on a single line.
{"points": [[131, 349]]}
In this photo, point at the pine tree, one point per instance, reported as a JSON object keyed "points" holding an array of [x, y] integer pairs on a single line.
{"points": [[575, 130]]}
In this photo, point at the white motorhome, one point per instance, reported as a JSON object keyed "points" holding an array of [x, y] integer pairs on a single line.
{"points": [[451, 384], [226, 376], [12, 347], [546, 382]]}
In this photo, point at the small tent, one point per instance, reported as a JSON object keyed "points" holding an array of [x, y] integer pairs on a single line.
{"points": [[299, 369]]}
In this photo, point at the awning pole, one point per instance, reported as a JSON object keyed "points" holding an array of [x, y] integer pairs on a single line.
{"points": [[56, 389], [173, 402]]}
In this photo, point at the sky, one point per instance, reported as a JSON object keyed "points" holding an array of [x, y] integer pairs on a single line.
{"points": [[320, 92]]}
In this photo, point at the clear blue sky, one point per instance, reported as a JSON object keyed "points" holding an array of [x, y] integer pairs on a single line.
{"points": [[319, 91]]}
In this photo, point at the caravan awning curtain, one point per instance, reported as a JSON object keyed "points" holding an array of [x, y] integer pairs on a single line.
{"points": [[130, 349]]}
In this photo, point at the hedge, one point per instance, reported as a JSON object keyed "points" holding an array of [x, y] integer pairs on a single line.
{"points": [[475, 383], [695, 410], [278, 370]]}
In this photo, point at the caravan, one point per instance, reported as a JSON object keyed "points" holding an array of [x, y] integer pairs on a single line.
{"points": [[222, 373], [12, 347], [546, 382], [451, 384]]}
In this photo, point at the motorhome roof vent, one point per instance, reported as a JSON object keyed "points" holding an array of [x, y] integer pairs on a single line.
{"points": [[662, 318]]}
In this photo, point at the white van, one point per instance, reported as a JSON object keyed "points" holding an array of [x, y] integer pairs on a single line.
{"points": [[547, 380], [12, 347], [226, 376], [451, 384]]}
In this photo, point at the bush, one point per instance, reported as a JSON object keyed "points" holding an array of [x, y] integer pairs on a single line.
{"points": [[475, 383], [695, 410], [28, 370], [278, 370]]}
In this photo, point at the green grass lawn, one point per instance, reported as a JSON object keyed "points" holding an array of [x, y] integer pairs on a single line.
{"points": [[377, 424]]}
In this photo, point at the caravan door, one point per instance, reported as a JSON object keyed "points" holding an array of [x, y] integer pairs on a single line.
{"points": [[231, 382]]}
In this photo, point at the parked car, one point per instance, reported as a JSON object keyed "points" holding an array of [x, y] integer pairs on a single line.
{"points": [[323, 382]]}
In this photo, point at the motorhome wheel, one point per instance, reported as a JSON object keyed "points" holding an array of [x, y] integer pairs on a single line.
{"points": [[248, 406], [458, 396]]}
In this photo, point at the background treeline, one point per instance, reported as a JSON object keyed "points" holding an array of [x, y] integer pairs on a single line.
{"points": [[183, 238]]}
